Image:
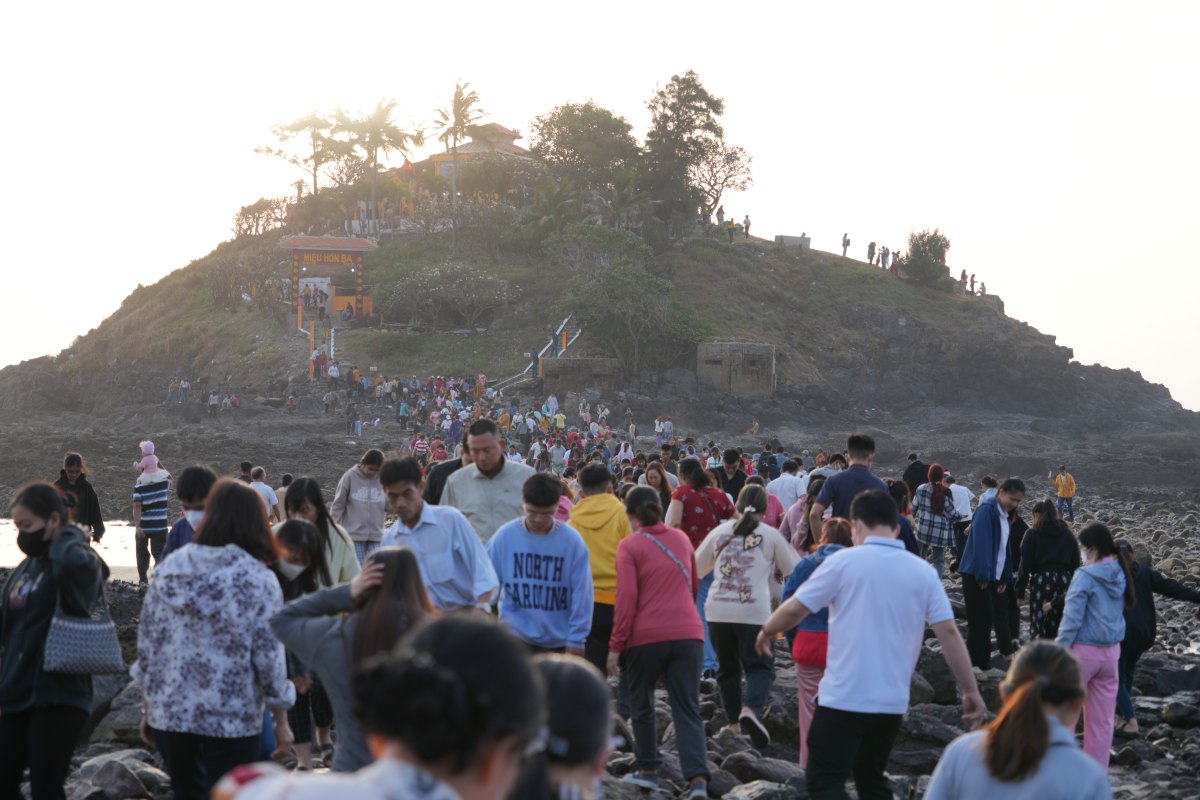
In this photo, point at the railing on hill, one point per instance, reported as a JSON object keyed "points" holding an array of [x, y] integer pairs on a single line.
{"points": [[563, 337]]}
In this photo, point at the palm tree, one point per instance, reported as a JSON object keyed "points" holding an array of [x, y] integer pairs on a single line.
{"points": [[376, 134], [620, 205], [454, 122]]}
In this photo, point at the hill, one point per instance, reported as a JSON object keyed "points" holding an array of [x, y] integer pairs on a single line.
{"points": [[856, 347]]}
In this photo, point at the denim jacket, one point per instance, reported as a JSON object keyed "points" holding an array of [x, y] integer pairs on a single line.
{"points": [[1095, 608], [818, 620]]}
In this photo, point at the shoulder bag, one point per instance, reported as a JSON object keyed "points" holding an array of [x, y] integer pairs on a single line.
{"points": [[83, 645]]}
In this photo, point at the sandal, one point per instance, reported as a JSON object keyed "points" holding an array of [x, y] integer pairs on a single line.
{"points": [[327, 755], [1122, 731]]}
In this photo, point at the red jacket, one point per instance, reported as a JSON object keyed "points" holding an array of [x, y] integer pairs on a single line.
{"points": [[656, 602]]}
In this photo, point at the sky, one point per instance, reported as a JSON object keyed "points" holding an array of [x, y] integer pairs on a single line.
{"points": [[1053, 142]]}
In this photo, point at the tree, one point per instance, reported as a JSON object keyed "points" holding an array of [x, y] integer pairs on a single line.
{"points": [[621, 308], [592, 249], [683, 124], [455, 120], [621, 205], [447, 295], [321, 147], [261, 216], [720, 168], [926, 259], [347, 170], [584, 143], [376, 134], [556, 203]]}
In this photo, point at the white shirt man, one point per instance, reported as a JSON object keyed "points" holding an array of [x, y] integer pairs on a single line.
{"points": [[962, 497], [789, 486]]}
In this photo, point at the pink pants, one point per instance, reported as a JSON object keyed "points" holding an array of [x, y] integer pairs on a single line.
{"points": [[1098, 668], [807, 680]]}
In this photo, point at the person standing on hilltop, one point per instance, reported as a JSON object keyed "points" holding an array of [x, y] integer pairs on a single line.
{"points": [[359, 504], [845, 243], [746, 226], [1064, 482], [73, 482], [871, 253], [721, 217]]}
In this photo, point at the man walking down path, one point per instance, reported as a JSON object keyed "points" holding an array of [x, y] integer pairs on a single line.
{"points": [[789, 486], [454, 565], [864, 693], [1064, 482], [488, 492], [545, 582]]}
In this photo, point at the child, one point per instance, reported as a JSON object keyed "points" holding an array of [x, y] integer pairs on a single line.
{"points": [[149, 462], [192, 490], [1093, 626]]}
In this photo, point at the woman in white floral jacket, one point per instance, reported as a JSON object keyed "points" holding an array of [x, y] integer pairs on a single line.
{"points": [[207, 660]]}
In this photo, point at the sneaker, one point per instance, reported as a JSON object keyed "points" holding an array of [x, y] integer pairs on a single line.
{"points": [[752, 726], [708, 682], [698, 791], [977, 672], [995, 674], [644, 780]]}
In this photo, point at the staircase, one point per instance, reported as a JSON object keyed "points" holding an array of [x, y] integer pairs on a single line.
{"points": [[560, 341]]}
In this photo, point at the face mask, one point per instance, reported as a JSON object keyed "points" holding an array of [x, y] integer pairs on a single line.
{"points": [[289, 570], [194, 518], [31, 542]]}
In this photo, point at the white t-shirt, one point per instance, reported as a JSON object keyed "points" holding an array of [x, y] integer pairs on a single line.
{"points": [[880, 599], [743, 572], [962, 499], [266, 493], [787, 488]]}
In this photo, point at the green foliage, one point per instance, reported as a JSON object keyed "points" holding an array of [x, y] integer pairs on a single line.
{"points": [[926, 260], [584, 143], [591, 249], [261, 216], [448, 295], [314, 144]]}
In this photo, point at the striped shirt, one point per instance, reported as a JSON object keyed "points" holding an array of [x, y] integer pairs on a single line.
{"points": [[152, 497]]}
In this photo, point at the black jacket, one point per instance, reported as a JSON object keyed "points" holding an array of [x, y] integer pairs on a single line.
{"points": [[1045, 549], [86, 513], [70, 568], [1141, 621], [916, 474], [436, 477]]}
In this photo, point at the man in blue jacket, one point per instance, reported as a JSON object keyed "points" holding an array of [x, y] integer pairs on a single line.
{"points": [[986, 573]]}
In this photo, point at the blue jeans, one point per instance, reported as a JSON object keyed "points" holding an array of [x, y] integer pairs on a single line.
{"points": [[1126, 666], [1070, 513], [710, 655]]}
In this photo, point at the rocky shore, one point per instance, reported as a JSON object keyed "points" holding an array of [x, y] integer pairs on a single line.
{"points": [[113, 764]]}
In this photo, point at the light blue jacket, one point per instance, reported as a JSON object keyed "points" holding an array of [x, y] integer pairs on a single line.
{"points": [[1095, 608], [1064, 773]]}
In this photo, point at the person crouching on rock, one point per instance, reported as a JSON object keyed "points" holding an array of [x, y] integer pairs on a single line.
{"points": [[1029, 750], [42, 713]]}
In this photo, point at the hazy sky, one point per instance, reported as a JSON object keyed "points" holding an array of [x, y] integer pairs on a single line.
{"points": [[1055, 143]]}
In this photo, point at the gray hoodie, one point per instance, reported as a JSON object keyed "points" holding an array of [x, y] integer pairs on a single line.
{"points": [[1095, 608], [359, 506]]}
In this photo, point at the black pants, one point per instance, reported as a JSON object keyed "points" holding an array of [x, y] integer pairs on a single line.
{"points": [[195, 763], [986, 609], [733, 643], [842, 744], [146, 547], [43, 739], [960, 540], [595, 650], [679, 662]]}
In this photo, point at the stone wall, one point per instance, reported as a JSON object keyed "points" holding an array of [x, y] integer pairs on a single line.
{"points": [[742, 369], [562, 375]]}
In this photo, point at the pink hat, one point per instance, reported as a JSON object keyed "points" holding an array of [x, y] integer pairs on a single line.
{"points": [[147, 447]]}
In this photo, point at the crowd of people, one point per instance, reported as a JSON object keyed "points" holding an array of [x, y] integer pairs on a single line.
{"points": [[442, 626]]}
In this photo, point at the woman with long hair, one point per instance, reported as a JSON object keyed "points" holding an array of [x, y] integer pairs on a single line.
{"points": [[743, 555], [900, 494], [442, 722], [657, 634], [73, 482], [656, 479], [810, 639], [210, 604], [1029, 750], [697, 506], [42, 713], [1093, 626], [305, 501], [935, 515], [795, 520], [1049, 558], [1141, 628], [337, 630], [579, 733]]}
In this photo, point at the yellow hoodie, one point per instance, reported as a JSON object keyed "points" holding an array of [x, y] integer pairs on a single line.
{"points": [[600, 519]]}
